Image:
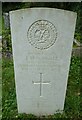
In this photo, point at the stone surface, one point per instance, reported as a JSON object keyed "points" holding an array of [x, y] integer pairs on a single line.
{"points": [[42, 41]]}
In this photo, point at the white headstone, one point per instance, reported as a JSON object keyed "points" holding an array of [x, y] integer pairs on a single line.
{"points": [[42, 41]]}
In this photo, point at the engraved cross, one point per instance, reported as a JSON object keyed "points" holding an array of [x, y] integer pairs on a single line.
{"points": [[41, 83]]}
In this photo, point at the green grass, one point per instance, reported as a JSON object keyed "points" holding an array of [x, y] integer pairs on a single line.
{"points": [[0, 88], [0, 24], [72, 102]]}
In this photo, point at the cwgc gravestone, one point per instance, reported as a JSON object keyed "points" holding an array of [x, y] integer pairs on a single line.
{"points": [[42, 41]]}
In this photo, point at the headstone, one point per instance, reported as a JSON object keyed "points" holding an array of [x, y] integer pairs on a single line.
{"points": [[42, 41], [6, 20]]}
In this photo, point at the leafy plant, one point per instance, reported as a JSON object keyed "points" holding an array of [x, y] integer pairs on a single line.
{"points": [[6, 41], [78, 37]]}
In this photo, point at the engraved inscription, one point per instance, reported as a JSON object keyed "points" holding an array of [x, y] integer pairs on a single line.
{"points": [[42, 34]]}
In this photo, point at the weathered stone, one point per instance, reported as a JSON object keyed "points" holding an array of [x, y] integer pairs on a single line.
{"points": [[42, 41]]}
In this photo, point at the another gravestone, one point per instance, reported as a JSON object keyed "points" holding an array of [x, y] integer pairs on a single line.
{"points": [[6, 20], [42, 41]]}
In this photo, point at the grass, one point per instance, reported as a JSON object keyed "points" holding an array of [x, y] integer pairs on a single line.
{"points": [[72, 102], [0, 24], [0, 88]]}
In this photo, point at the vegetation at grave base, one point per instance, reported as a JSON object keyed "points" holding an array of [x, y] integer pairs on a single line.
{"points": [[72, 108], [78, 36], [0, 89]]}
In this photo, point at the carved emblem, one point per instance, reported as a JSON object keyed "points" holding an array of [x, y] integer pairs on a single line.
{"points": [[42, 34]]}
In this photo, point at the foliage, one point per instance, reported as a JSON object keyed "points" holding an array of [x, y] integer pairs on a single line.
{"points": [[73, 93], [8, 96], [78, 37], [0, 88], [72, 102], [0, 25], [7, 46], [9, 6]]}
